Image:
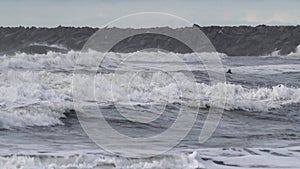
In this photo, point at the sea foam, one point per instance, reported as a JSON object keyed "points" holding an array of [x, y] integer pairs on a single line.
{"points": [[36, 90]]}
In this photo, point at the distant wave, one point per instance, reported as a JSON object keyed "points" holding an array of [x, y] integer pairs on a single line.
{"points": [[52, 45], [292, 55]]}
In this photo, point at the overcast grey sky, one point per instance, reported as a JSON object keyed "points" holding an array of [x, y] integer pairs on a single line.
{"points": [[97, 13]]}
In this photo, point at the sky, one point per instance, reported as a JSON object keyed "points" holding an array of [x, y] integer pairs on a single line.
{"points": [[97, 13]]}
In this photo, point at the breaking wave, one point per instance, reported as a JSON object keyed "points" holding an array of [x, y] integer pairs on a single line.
{"points": [[36, 90], [179, 161], [292, 55], [218, 158]]}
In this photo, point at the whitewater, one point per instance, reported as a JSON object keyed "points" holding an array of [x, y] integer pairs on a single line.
{"points": [[39, 128]]}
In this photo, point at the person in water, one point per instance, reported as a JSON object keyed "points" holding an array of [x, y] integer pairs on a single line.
{"points": [[229, 71]]}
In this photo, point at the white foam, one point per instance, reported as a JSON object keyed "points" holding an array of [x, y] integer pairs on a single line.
{"points": [[176, 161], [205, 158], [246, 158], [237, 96], [52, 45], [35, 90], [32, 98], [292, 55], [295, 54], [260, 99]]}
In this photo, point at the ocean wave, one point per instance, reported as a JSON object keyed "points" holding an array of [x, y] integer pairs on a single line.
{"points": [[237, 97], [29, 116], [259, 99], [40, 99], [292, 55], [218, 158], [92, 59], [30, 98], [47, 45], [36, 90], [176, 161], [295, 54]]}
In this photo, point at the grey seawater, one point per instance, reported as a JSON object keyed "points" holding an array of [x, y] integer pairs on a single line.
{"points": [[260, 127]]}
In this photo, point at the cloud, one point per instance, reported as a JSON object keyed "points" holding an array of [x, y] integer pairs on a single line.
{"points": [[99, 12], [278, 18]]}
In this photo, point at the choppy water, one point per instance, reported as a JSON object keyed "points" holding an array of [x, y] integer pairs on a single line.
{"points": [[39, 129]]}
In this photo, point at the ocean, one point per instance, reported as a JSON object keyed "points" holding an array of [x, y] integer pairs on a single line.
{"points": [[44, 97]]}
